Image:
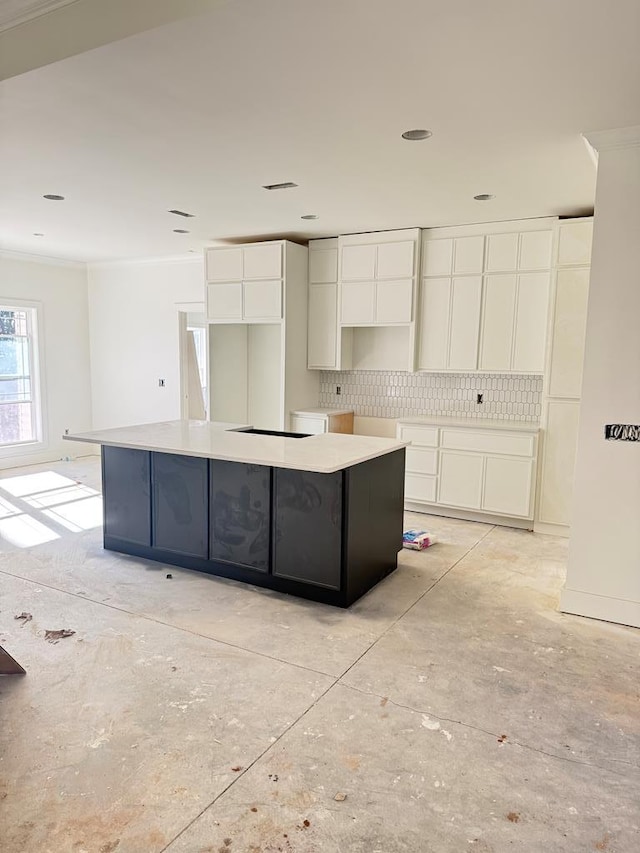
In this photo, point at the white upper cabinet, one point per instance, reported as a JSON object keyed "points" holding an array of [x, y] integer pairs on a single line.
{"points": [[483, 303], [574, 243], [224, 264], [394, 301], [224, 301], [262, 300], [358, 262], [322, 333], [358, 303], [468, 256]]}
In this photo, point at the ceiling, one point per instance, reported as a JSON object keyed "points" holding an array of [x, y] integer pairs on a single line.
{"points": [[15, 12], [200, 113]]}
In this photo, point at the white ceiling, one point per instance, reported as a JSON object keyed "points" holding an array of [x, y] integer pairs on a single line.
{"points": [[199, 114]]}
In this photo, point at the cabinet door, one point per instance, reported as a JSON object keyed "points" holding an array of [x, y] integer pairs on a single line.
{"points": [[357, 303], [322, 328], [558, 461], [502, 252], [240, 517], [531, 323], [395, 260], [437, 257], [224, 301], [358, 262], [507, 486], [126, 486], [435, 307], [180, 504], [394, 301], [468, 255], [224, 264], [574, 245], [323, 265], [535, 250], [262, 300], [460, 479], [263, 261], [465, 322], [497, 322], [569, 329], [308, 506]]}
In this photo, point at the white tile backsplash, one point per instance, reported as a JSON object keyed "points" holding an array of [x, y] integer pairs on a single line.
{"points": [[387, 394]]}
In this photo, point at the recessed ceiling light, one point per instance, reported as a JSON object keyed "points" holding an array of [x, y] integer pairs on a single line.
{"points": [[310, 216], [416, 135], [182, 213], [180, 231], [37, 234], [53, 197], [285, 185], [484, 197]]}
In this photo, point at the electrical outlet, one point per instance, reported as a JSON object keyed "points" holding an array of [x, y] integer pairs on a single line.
{"points": [[338, 390], [161, 383], [479, 398]]}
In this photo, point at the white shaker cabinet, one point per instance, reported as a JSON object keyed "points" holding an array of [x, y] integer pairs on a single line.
{"points": [[322, 340], [244, 283]]}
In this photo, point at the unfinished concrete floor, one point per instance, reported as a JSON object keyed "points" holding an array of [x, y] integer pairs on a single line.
{"points": [[451, 709]]}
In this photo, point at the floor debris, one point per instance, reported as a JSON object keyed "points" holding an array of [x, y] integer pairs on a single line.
{"points": [[54, 636], [25, 617], [340, 798]]}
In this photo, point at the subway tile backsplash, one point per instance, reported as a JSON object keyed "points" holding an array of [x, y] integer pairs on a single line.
{"points": [[387, 394]]}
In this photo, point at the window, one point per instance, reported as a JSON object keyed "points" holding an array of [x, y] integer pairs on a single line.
{"points": [[19, 391]]}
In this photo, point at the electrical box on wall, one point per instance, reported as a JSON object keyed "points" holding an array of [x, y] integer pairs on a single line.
{"points": [[622, 432]]}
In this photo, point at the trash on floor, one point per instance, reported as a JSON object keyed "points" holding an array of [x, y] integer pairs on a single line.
{"points": [[25, 617], [54, 636], [417, 540]]}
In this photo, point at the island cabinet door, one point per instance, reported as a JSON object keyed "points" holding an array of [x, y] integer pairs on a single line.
{"points": [[126, 489], [308, 527], [180, 522], [240, 514]]}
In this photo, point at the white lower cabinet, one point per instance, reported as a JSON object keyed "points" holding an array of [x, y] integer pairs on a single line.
{"points": [[482, 469]]}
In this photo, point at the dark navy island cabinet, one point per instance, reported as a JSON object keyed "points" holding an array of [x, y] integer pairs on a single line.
{"points": [[326, 537]]}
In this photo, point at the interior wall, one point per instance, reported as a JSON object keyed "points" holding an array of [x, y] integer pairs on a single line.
{"points": [[228, 373], [264, 372], [134, 335], [64, 337], [603, 578]]}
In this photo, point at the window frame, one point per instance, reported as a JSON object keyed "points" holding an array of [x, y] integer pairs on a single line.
{"points": [[36, 368]]}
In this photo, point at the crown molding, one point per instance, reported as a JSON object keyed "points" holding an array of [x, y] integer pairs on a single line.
{"points": [[609, 140], [41, 259], [190, 258]]}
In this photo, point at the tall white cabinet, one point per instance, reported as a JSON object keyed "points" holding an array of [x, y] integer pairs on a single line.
{"points": [[323, 305], [563, 376], [256, 306], [484, 295]]}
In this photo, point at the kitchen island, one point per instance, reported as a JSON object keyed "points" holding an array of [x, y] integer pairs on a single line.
{"points": [[315, 516]]}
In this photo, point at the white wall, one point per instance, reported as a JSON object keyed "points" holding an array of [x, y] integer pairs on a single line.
{"points": [[62, 291], [134, 334], [603, 577]]}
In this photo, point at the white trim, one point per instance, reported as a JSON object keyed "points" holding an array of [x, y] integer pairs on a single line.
{"points": [[198, 307], [621, 137], [549, 528], [191, 257], [41, 259], [480, 229], [618, 610], [468, 515]]}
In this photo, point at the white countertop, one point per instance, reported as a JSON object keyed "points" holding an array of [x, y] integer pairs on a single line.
{"points": [[319, 411], [473, 423], [324, 454]]}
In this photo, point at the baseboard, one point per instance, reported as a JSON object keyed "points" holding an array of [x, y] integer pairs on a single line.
{"points": [[617, 610], [469, 515], [552, 529]]}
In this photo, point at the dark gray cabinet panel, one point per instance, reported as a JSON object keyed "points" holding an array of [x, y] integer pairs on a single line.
{"points": [[240, 497], [126, 486], [180, 518], [308, 527]]}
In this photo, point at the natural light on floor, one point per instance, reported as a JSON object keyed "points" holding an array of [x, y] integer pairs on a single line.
{"points": [[38, 508]]}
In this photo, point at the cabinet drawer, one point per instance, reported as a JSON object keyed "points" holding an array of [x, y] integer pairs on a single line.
{"points": [[420, 460], [262, 300], [488, 442], [313, 426], [420, 435], [419, 487]]}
